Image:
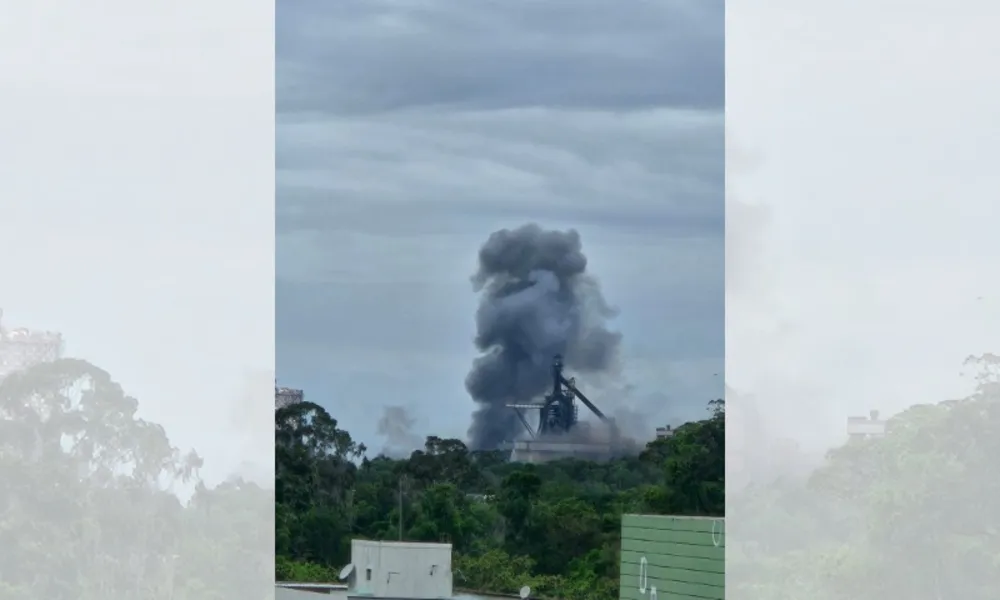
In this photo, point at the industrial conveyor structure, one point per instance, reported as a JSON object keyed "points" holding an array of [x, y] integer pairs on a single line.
{"points": [[558, 416]]}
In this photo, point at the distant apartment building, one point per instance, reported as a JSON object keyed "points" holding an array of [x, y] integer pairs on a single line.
{"points": [[664, 432], [22, 348], [284, 396], [866, 427]]}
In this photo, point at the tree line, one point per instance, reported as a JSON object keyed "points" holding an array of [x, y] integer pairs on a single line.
{"points": [[554, 526]]}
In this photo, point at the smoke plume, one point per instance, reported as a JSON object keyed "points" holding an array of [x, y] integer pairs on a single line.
{"points": [[536, 300], [396, 426]]}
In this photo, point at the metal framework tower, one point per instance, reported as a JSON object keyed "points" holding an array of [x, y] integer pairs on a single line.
{"points": [[558, 416], [22, 348], [558, 413]]}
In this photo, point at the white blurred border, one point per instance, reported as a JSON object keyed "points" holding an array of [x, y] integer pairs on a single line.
{"points": [[137, 217], [861, 238]]}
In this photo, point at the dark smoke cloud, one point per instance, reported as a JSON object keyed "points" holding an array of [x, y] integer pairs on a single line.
{"points": [[396, 426], [537, 300]]}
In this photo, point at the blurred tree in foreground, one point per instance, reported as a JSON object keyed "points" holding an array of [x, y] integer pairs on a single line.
{"points": [[88, 508]]}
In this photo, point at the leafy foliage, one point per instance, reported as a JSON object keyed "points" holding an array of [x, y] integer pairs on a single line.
{"points": [[554, 526]]}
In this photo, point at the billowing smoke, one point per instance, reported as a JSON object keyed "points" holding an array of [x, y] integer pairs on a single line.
{"points": [[396, 427], [537, 300]]}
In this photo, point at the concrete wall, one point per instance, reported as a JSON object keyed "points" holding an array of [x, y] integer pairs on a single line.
{"points": [[535, 451], [672, 557]]}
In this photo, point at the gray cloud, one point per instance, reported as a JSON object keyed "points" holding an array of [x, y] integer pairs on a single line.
{"points": [[364, 56], [646, 171], [409, 130]]}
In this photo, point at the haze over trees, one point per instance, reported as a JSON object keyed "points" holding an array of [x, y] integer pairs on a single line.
{"points": [[88, 502], [555, 526], [913, 514]]}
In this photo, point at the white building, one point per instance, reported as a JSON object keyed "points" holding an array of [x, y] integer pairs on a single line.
{"points": [[864, 427], [664, 432], [284, 397], [22, 348], [420, 571]]}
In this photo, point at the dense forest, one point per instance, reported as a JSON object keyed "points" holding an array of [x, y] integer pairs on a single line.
{"points": [[554, 526]]}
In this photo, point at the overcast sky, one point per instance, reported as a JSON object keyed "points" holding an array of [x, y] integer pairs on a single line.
{"points": [[409, 130]]}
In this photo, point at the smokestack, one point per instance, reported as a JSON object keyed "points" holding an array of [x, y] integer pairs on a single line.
{"points": [[536, 301]]}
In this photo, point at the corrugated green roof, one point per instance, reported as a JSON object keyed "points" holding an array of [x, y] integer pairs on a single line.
{"points": [[673, 557]]}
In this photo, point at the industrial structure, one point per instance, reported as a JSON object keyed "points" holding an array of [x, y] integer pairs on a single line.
{"points": [[866, 427], [22, 348], [284, 396], [672, 557], [558, 412], [558, 418]]}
